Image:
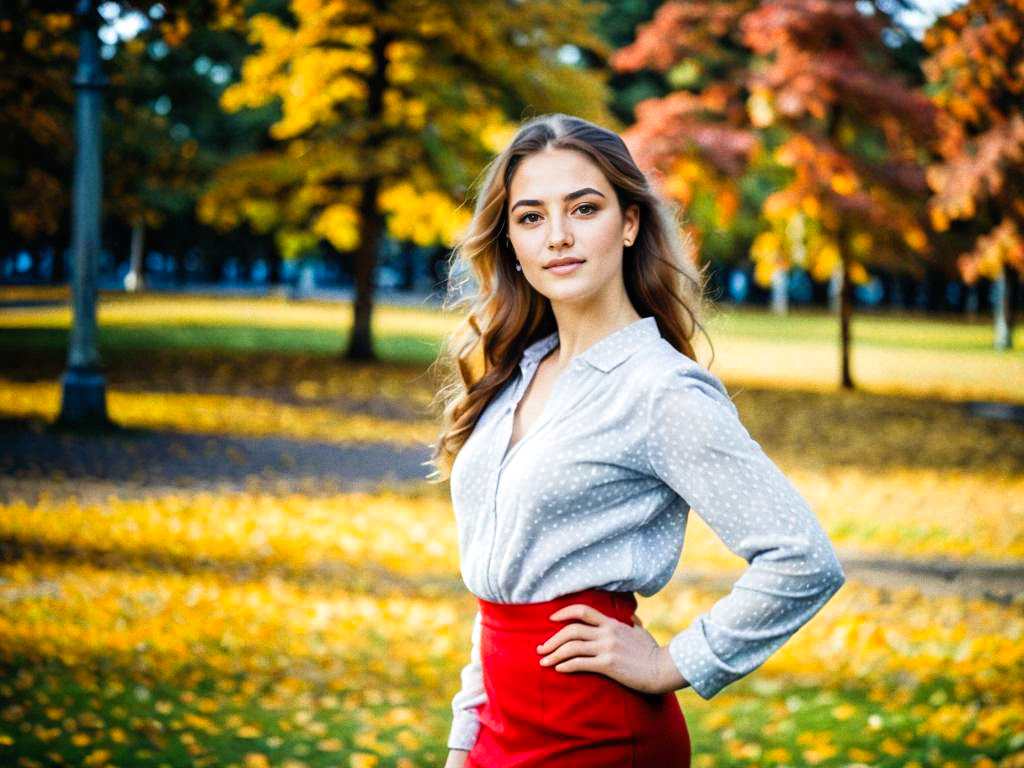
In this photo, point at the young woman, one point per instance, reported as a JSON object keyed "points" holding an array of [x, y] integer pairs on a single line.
{"points": [[578, 433]]}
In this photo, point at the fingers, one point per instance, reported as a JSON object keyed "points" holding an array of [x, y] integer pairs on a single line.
{"points": [[597, 663], [567, 651], [565, 634], [579, 612]]}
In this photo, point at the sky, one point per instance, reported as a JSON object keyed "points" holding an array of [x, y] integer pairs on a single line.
{"points": [[918, 21]]}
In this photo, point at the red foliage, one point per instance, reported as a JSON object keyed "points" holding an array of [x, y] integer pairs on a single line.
{"points": [[976, 70]]}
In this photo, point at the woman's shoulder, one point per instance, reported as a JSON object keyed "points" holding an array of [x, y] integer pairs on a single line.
{"points": [[663, 367]]}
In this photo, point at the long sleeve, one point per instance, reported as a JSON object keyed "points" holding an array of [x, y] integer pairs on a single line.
{"points": [[468, 700], [699, 448]]}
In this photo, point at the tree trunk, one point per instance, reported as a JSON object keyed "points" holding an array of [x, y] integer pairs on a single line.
{"points": [[845, 313], [134, 281], [360, 346], [1006, 288], [780, 291]]}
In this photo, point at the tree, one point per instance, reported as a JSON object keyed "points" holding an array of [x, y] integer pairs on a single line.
{"points": [[698, 138], [388, 111], [856, 137], [976, 75], [160, 157], [38, 54], [174, 72]]}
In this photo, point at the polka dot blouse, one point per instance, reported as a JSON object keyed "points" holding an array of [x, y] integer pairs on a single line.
{"points": [[597, 494]]}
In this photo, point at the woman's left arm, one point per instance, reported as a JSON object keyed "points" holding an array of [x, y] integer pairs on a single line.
{"points": [[697, 445]]}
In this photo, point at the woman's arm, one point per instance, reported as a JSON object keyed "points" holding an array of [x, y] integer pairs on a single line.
{"points": [[697, 445], [468, 700]]}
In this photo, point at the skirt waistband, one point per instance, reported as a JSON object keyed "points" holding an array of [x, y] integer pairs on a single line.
{"points": [[527, 617]]}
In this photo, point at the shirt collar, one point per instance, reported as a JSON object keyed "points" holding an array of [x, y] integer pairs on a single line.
{"points": [[606, 353]]}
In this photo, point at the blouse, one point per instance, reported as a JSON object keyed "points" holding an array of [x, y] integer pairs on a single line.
{"points": [[597, 494]]}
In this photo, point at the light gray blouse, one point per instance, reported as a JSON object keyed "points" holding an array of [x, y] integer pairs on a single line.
{"points": [[597, 494]]}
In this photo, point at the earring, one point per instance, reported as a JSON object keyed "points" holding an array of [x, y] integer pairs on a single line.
{"points": [[519, 267]]}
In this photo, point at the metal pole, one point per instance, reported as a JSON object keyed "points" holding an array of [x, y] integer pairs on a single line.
{"points": [[83, 393]]}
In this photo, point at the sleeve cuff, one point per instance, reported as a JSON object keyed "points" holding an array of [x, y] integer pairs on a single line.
{"points": [[465, 729], [705, 673]]}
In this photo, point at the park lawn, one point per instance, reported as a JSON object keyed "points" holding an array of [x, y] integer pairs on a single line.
{"points": [[896, 354], [257, 629], [302, 628]]}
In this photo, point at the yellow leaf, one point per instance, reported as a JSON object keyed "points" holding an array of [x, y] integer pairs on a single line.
{"points": [[329, 745]]}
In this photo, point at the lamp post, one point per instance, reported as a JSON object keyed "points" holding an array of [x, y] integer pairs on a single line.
{"points": [[83, 390]]}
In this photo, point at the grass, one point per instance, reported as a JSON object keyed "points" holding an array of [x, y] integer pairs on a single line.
{"points": [[937, 357], [287, 624]]}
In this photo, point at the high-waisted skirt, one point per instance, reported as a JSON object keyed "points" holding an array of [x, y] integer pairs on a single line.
{"points": [[539, 717]]}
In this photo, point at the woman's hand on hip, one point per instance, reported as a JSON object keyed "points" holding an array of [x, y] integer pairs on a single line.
{"points": [[595, 642]]}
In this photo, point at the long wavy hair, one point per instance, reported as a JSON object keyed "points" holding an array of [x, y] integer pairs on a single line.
{"points": [[504, 314]]}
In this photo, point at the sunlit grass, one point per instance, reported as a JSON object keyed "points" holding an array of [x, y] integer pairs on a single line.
{"points": [[892, 354], [168, 630], [220, 414], [294, 627]]}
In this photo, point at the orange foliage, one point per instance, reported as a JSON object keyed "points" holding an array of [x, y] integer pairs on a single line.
{"points": [[976, 69]]}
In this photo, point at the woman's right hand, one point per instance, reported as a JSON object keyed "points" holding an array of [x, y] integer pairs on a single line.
{"points": [[456, 758]]}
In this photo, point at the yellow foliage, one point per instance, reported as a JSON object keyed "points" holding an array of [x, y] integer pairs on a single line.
{"points": [[858, 273], [764, 271], [677, 187], [824, 261], [293, 243], [339, 223], [940, 221], [759, 107], [844, 183], [916, 238], [497, 136], [779, 205], [423, 217], [262, 214], [766, 246]]}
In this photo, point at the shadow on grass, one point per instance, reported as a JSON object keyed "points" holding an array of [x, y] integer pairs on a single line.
{"points": [[364, 576], [139, 459]]}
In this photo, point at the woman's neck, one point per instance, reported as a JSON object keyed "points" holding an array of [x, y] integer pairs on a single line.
{"points": [[581, 327]]}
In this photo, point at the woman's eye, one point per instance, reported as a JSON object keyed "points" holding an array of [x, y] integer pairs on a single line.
{"points": [[525, 216], [590, 206]]}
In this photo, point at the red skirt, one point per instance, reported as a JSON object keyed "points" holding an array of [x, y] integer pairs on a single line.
{"points": [[536, 716]]}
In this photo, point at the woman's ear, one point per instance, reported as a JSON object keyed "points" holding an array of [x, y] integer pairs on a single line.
{"points": [[631, 223]]}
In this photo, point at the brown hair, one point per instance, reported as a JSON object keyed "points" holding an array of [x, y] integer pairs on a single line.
{"points": [[505, 314]]}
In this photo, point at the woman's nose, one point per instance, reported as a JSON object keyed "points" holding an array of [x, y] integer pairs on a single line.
{"points": [[560, 235]]}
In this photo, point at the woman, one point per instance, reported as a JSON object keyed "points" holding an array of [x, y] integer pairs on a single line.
{"points": [[578, 433]]}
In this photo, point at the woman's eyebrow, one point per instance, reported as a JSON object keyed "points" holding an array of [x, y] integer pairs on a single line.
{"points": [[570, 196]]}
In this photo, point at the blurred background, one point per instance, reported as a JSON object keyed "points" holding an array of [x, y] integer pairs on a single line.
{"points": [[224, 247]]}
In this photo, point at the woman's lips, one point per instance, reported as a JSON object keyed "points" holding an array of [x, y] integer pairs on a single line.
{"points": [[565, 269]]}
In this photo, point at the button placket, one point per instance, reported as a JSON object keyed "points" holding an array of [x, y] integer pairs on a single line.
{"points": [[504, 433]]}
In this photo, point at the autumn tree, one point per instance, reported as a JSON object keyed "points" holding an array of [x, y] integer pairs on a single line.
{"points": [[811, 88], [389, 110], [37, 62], [855, 142], [698, 138], [156, 168], [976, 75]]}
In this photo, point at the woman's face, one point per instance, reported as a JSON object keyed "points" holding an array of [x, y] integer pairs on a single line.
{"points": [[561, 208]]}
